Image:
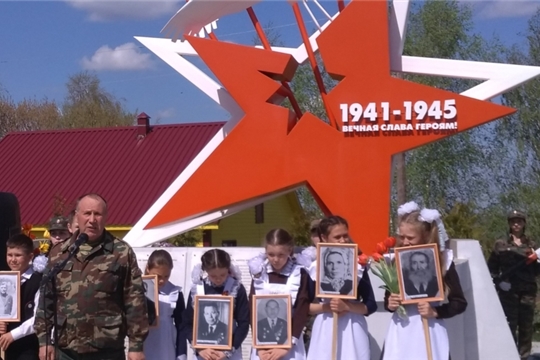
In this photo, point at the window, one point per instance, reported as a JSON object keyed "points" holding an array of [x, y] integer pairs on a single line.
{"points": [[259, 214], [228, 243], [207, 238]]}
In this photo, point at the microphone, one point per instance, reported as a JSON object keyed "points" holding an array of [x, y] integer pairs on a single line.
{"points": [[60, 265], [83, 237]]}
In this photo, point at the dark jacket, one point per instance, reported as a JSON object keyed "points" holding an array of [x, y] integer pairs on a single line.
{"points": [[220, 333], [431, 290], [345, 289], [507, 255], [277, 335]]}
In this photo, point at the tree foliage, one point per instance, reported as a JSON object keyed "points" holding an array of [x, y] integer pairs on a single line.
{"points": [[445, 173], [521, 131], [301, 220], [26, 115], [189, 239], [87, 104]]}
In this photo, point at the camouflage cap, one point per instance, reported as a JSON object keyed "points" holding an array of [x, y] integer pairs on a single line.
{"points": [[516, 214], [58, 223]]}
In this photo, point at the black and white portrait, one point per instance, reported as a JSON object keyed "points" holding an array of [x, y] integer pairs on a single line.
{"points": [[337, 269], [152, 298], [9, 296], [213, 317], [420, 274], [271, 321]]}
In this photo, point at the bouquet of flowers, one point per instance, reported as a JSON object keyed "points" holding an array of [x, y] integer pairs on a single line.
{"points": [[40, 253], [385, 269]]}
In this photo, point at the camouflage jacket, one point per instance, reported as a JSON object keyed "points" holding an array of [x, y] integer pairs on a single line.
{"points": [[100, 299], [506, 254]]}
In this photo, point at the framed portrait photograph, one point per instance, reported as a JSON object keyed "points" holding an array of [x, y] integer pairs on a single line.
{"points": [[337, 271], [10, 293], [419, 273], [150, 283], [271, 321], [213, 322]]}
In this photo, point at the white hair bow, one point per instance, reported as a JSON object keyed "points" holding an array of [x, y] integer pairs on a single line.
{"points": [[430, 216], [408, 208]]}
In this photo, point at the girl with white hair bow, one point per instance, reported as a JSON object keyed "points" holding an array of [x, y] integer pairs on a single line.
{"points": [[405, 337]]}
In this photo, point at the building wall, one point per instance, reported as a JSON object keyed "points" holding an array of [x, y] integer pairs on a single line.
{"points": [[241, 226], [42, 235]]}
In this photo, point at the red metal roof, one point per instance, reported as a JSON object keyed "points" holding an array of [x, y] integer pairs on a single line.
{"points": [[130, 173]]}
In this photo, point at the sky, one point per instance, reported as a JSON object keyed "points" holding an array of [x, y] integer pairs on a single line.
{"points": [[44, 42]]}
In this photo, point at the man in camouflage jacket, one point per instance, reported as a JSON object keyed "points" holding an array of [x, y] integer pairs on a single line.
{"points": [[100, 295], [516, 280]]}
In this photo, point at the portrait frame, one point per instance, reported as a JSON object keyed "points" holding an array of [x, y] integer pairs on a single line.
{"points": [[349, 250], [150, 283], [224, 302], [260, 301], [13, 290], [403, 256]]}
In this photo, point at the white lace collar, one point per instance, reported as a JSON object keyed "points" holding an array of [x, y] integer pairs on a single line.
{"points": [[286, 271]]}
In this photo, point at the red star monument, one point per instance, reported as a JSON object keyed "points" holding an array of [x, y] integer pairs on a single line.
{"points": [[348, 168]]}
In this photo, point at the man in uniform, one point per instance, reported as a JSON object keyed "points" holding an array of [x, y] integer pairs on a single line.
{"points": [[214, 330], [516, 280], [99, 295], [58, 230], [272, 330]]}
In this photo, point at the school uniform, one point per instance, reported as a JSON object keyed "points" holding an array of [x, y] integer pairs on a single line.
{"points": [[25, 345], [166, 341], [293, 279], [241, 312], [352, 338], [405, 337]]}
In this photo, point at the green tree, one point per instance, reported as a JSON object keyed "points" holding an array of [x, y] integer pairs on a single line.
{"points": [[445, 172], [516, 150], [522, 130], [301, 221], [27, 115], [87, 104], [190, 238]]}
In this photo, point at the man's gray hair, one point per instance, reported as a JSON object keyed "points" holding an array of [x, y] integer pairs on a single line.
{"points": [[94, 196]]}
